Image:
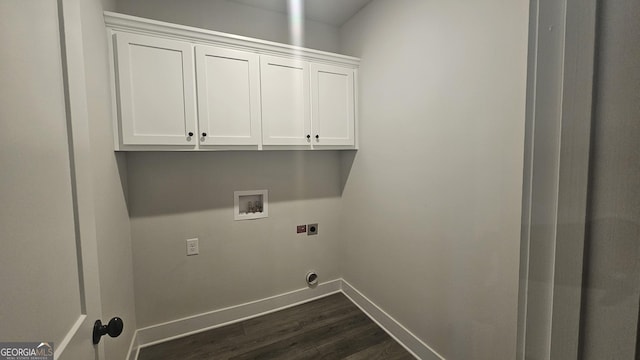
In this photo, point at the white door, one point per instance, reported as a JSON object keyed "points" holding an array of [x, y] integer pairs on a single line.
{"points": [[286, 116], [332, 114], [228, 96], [48, 258], [155, 90]]}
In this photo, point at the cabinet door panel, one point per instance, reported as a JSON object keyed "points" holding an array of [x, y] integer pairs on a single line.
{"points": [[333, 111], [228, 96], [156, 90], [285, 101]]}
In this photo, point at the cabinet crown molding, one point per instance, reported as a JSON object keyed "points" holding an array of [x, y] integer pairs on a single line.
{"points": [[122, 22]]}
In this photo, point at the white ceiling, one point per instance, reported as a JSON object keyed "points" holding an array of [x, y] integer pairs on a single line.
{"points": [[332, 12]]}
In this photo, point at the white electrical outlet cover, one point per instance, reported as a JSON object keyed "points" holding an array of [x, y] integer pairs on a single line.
{"points": [[192, 247]]}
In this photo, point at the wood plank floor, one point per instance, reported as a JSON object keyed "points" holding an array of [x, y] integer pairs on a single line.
{"points": [[328, 328]]}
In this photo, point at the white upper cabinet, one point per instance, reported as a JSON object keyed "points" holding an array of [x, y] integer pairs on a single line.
{"points": [[332, 99], [155, 90], [286, 117], [179, 88], [228, 83]]}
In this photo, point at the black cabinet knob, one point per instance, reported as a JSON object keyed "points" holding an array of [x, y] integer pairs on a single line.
{"points": [[114, 329], [308, 136], [190, 134], [204, 134], [317, 136]]}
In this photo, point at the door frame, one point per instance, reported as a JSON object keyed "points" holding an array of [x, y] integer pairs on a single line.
{"points": [[77, 116], [562, 40]]}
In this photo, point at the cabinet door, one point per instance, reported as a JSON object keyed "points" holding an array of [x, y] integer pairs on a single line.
{"points": [[286, 116], [156, 90], [228, 96], [332, 99]]}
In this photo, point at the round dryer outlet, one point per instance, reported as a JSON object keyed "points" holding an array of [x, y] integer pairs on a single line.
{"points": [[312, 278]]}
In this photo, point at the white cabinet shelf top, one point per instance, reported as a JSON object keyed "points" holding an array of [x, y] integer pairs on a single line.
{"points": [[122, 22]]}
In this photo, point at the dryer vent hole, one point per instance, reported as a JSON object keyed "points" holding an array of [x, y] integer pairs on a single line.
{"points": [[312, 278]]}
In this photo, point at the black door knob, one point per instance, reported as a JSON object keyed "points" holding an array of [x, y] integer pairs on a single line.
{"points": [[308, 136], [317, 136], [114, 329], [204, 134], [190, 134]]}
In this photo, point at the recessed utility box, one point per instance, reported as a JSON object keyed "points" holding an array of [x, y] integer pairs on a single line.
{"points": [[250, 204]]}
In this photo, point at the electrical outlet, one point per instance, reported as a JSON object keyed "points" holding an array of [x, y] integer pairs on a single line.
{"points": [[301, 229], [192, 247], [312, 229]]}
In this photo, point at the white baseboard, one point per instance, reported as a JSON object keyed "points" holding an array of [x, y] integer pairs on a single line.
{"points": [[134, 347], [175, 329], [398, 332]]}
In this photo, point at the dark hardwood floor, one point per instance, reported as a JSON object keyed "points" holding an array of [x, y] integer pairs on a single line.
{"points": [[328, 328]]}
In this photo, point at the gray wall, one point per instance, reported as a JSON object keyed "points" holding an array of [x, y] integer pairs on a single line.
{"points": [[174, 197], [231, 17], [177, 196], [109, 5], [433, 199], [612, 279], [112, 218]]}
